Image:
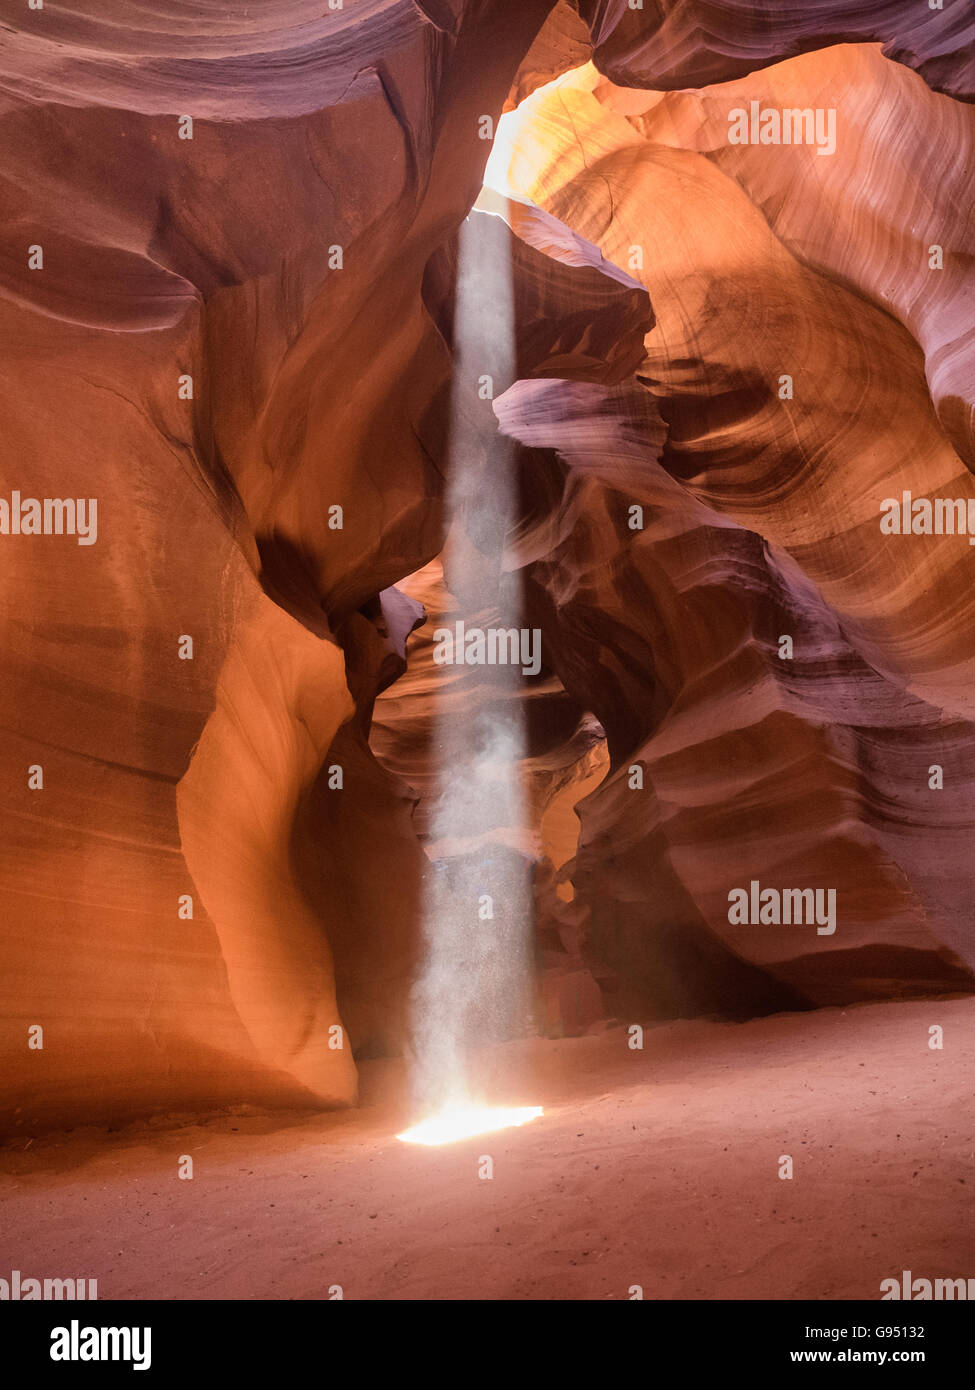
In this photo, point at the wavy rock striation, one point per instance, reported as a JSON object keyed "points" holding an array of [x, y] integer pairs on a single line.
{"points": [[227, 274], [761, 519]]}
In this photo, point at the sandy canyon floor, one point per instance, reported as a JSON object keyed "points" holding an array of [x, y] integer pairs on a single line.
{"points": [[657, 1168]]}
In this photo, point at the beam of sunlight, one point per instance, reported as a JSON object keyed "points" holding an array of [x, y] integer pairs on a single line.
{"points": [[473, 988]]}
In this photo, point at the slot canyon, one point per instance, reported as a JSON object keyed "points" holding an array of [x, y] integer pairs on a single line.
{"points": [[487, 540]]}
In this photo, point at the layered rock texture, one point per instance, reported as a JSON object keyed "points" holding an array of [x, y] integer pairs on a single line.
{"points": [[228, 266]]}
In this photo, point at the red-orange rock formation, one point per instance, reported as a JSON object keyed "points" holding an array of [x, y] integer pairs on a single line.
{"points": [[668, 44], [812, 780], [227, 272], [319, 137]]}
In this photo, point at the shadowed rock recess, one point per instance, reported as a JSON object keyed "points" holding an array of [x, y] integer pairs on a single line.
{"points": [[228, 263]]}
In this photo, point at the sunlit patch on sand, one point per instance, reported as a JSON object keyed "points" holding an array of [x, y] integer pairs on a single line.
{"points": [[461, 1122]]}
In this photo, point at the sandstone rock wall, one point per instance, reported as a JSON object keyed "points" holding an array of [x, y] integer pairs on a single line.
{"points": [[240, 344]]}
